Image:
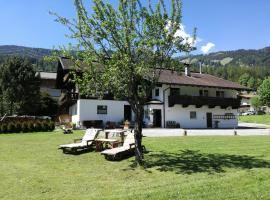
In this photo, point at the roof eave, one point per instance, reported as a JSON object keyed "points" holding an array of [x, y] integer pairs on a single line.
{"points": [[211, 86]]}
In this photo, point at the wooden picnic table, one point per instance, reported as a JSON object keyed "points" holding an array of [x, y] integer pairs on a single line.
{"points": [[105, 141], [121, 132]]}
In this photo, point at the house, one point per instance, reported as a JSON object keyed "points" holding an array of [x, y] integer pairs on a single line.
{"points": [[246, 102], [48, 84], [186, 100], [247, 106]]}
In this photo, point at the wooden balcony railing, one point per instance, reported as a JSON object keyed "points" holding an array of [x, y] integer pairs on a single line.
{"points": [[200, 101]]}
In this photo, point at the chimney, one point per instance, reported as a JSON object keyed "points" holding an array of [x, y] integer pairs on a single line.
{"points": [[200, 63], [187, 69]]}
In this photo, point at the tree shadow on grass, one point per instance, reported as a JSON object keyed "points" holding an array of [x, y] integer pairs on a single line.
{"points": [[190, 161]]}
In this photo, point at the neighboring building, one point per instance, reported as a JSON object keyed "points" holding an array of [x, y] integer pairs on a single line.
{"points": [[48, 84], [188, 100], [246, 103]]}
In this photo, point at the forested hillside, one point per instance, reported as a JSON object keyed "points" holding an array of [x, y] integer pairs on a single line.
{"points": [[35, 55], [238, 58], [248, 67]]}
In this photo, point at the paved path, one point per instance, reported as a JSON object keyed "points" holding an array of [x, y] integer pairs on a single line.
{"points": [[242, 131]]}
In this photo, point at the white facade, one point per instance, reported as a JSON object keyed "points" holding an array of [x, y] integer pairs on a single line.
{"points": [[182, 116], [87, 109], [221, 118]]}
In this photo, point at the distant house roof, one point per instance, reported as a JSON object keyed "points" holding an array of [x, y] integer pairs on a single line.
{"points": [[176, 78], [48, 75]]}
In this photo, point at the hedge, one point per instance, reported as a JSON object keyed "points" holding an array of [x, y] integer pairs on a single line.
{"points": [[26, 126]]}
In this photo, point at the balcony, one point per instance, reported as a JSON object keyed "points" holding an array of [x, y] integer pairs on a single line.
{"points": [[200, 101]]}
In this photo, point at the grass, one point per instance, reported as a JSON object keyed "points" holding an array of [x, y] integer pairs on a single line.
{"points": [[209, 168], [260, 119]]}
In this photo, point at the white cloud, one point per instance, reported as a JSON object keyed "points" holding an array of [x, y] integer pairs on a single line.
{"points": [[206, 48], [188, 39]]}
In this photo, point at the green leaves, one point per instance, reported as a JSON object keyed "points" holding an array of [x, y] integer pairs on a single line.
{"points": [[264, 92], [19, 86], [256, 102], [131, 42]]}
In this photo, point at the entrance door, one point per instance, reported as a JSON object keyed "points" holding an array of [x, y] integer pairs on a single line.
{"points": [[127, 112], [157, 118], [209, 120]]}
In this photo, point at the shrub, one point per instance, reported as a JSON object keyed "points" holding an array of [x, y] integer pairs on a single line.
{"points": [[31, 126], [42, 126], [18, 127], [3, 128], [37, 126], [25, 127], [11, 127], [51, 125], [46, 125]]}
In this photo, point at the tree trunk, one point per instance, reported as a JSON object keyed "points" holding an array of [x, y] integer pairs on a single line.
{"points": [[138, 135]]}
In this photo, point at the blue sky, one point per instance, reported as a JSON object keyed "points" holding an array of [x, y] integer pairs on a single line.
{"points": [[226, 24]]}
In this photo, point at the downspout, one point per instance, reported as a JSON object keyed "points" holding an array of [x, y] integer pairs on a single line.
{"points": [[164, 106]]}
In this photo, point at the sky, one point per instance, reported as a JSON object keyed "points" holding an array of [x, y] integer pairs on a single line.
{"points": [[222, 24]]}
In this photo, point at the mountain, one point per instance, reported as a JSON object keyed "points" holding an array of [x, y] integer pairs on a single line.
{"points": [[237, 58], [12, 50], [35, 55], [247, 67]]}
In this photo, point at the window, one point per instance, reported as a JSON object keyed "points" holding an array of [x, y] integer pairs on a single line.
{"points": [[157, 92], [203, 93], [193, 115], [220, 94], [175, 91], [101, 109]]}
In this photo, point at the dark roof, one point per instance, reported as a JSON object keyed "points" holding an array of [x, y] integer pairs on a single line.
{"points": [[197, 79], [176, 78], [67, 63]]}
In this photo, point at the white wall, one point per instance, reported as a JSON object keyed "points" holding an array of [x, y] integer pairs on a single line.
{"points": [[87, 110], [182, 115], [74, 114]]}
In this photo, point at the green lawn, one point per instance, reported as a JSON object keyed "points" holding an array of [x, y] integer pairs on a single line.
{"points": [[208, 168], [261, 119]]}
